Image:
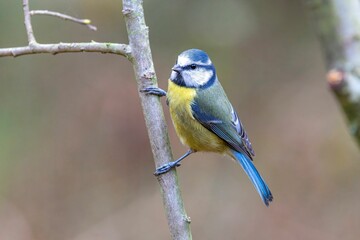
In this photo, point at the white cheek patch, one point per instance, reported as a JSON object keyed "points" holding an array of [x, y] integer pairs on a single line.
{"points": [[198, 77]]}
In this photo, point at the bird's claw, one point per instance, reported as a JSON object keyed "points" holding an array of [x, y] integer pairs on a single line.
{"points": [[154, 91], [165, 168]]}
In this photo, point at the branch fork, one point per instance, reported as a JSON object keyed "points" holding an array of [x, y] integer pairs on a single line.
{"points": [[34, 47], [139, 54]]}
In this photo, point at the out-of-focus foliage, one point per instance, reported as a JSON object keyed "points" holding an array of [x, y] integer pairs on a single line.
{"points": [[75, 161]]}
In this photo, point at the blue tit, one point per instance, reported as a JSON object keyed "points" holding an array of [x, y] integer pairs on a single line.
{"points": [[204, 118]]}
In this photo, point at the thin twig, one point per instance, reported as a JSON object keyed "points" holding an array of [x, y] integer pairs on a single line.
{"points": [[85, 22], [27, 22], [35, 48]]}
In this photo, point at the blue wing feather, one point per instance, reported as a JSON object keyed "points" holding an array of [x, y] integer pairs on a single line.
{"points": [[232, 132], [241, 131]]}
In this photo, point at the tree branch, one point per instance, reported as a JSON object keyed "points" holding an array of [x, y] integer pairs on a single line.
{"points": [[85, 22], [337, 24], [139, 53], [179, 222], [35, 48]]}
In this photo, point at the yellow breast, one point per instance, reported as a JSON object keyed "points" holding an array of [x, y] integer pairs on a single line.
{"points": [[189, 130]]}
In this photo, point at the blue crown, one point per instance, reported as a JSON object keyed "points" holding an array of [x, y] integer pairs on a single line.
{"points": [[197, 55]]}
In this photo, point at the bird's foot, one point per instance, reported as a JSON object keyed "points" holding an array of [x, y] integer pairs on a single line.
{"points": [[166, 167], [154, 91]]}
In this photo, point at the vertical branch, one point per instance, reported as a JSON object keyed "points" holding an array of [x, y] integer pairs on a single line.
{"points": [[337, 23], [154, 118], [27, 22]]}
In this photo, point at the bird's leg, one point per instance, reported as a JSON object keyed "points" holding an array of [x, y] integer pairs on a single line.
{"points": [[154, 91], [168, 166]]}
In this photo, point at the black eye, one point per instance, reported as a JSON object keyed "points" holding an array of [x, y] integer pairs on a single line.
{"points": [[193, 66]]}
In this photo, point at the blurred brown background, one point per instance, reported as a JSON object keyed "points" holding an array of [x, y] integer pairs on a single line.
{"points": [[75, 161]]}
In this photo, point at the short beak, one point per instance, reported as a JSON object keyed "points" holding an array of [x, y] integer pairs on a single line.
{"points": [[176, 68]]}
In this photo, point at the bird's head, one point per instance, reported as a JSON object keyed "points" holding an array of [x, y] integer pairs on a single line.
{"points": [[193, 69]]}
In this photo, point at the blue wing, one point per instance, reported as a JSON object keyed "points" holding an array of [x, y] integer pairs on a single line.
{"points": [[227, 126], [233, 133]]}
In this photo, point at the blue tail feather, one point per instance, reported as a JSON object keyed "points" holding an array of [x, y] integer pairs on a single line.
{"points": [[255, 177]]}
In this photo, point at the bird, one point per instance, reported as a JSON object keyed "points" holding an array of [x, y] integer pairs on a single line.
{"points": [[204, 118]]}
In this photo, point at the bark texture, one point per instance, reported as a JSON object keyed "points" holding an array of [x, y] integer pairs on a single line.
{"points": [[178, 221], [337, 23]]}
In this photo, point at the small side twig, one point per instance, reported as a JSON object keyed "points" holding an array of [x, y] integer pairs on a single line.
{"points": [[86, 22], [27, 22]]}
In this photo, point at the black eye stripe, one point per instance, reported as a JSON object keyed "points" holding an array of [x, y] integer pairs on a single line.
{"points": [[197, 66]]}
